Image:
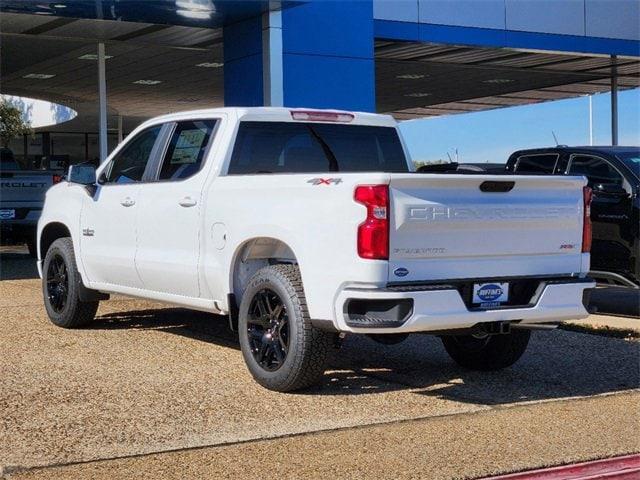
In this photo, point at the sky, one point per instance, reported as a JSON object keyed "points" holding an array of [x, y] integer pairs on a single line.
{"points": [[40, 113], [491, 136]]}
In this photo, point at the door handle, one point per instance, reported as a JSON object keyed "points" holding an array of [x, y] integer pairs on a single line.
{"points": [[127, 202], [187, 202]]}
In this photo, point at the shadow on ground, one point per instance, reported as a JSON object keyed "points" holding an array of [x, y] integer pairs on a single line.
{"points": [[616, 301], [16, 263], [557, 364]]}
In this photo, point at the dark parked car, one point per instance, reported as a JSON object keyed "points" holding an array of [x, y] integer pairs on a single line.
{"points": [[614, 175]]}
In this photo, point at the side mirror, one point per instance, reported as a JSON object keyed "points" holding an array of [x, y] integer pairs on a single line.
{"points": [[610, 190], [82, 174]]}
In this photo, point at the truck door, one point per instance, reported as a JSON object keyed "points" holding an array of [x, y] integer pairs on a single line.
{"points": [[610, 212], [169, 214], [108, 219]]}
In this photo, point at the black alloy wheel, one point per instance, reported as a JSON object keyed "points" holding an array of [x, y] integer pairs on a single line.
{"points": [[268, 330], [282, 349], [57, 283]]}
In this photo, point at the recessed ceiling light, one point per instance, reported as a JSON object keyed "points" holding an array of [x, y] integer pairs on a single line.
{"points": [[194, 15], [417, 95], [410, 76], [210, 64], [93, 56], [498, 80], [39, 76], [148, 82]]}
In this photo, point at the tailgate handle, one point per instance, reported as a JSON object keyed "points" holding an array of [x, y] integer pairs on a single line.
{"points": [[496, 186]]}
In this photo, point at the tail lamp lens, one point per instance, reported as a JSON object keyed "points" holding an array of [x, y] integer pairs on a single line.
{"points": [[373, 233]]}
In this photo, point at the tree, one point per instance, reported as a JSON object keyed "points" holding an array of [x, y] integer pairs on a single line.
{"points": [[12, 124]]}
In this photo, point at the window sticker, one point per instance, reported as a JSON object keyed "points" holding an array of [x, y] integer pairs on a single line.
{"points": [[188, 147]]}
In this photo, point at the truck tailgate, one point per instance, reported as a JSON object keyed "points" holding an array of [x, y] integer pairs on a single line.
{"points": [[478, 226], [20, 186]]}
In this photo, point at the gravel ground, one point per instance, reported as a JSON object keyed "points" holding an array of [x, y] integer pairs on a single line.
{"points": [[146, 378], [450, 447]]}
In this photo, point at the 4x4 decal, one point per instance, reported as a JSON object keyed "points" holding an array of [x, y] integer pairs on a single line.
{"points": [[325, 181]]}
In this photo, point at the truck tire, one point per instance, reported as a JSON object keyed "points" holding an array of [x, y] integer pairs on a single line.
{"points": [[61, 284], [281, 349], [489, 352]]}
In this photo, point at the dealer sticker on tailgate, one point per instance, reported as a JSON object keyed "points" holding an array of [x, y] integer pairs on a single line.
{"points": [[490, 294], [7, 214]]}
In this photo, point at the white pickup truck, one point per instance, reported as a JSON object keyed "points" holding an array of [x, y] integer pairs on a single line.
{"points": [[304, 225]]}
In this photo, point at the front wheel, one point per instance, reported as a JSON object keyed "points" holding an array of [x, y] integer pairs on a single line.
{"points": [[281, 349], [61, 284], [487, 352]]}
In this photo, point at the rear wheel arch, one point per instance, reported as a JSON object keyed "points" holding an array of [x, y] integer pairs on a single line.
{"points": [[254, 254]]}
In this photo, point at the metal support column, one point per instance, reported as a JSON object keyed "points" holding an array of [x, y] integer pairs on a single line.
{"points": [[272, 83], [25, 144], [591, 120], [120, 134], [614, 101], [102, 94]]}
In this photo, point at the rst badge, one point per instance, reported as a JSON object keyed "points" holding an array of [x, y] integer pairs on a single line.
{"points": [[490, 294]]}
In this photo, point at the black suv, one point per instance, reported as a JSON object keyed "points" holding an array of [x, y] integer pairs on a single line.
{"points": [[614, 175]]}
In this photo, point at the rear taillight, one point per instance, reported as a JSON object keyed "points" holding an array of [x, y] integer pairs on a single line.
{"points": [[587, 193], [57, 179], [373, 233]]}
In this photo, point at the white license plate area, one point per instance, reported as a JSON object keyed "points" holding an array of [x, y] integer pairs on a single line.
{"points": [[490, 294], [7, 214]]}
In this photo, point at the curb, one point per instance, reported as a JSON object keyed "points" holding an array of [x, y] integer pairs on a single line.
{"points": [[601, 330], [618, 468]]}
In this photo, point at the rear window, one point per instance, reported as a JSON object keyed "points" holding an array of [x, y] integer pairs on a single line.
{"points": [[536, 164], [597, 170], [282, 147], [631, 160]]}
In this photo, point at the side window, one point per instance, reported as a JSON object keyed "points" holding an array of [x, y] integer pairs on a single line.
{"points": [[130, 163], [595, 169], [537, 164], [186, 150]]}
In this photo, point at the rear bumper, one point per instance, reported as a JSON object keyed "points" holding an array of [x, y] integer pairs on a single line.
{"points": [[441, 308]]}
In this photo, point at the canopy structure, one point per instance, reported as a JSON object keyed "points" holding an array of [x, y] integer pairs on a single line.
{"points": [[117, 63]]}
